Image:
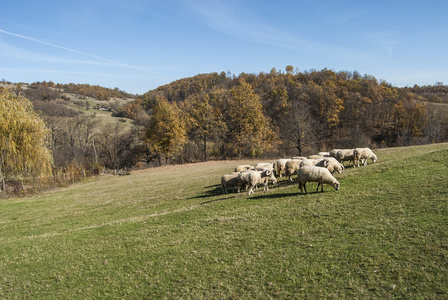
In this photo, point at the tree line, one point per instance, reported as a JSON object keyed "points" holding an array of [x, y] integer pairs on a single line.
{"points": [[221, 115], [286, 113]]}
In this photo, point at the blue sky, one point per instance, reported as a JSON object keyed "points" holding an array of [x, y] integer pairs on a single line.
{"points": [[138, 45]]}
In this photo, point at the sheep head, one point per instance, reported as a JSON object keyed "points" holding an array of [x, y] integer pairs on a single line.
{"points": [[336, 186]]}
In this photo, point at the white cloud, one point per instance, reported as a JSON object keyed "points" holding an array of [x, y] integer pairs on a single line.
{"points": [[19, 53]]}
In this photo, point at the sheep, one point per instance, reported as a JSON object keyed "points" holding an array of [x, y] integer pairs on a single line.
{"points": [[327, 162], [333, 152], [315, 174], [345, 155], [229, 180], [315, 156], [269, 178], [324, 154], [333, 165], [241, 168], [254, 178], [313, 162], [299, 158], [363, 154], [291, 167], [281, 165], [260, 166]]}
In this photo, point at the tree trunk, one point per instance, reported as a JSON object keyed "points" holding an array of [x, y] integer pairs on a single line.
{"points": [[205, 147]]}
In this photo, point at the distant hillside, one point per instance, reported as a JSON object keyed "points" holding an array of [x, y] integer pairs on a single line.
{"points": [[71, 99], [324, 109], [221, 115]]}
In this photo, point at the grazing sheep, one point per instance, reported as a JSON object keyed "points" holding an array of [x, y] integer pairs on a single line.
{"points": [[229, 180], [345, 155], [291, 167], [242, 168], [327, 162], [313, 162], [315, 174], [299, 158], [333, 152], [260, 166], [253, 178], [333, 165], [363, 154], [324, 154], [270, 178], [281, 165], [315, 156]]}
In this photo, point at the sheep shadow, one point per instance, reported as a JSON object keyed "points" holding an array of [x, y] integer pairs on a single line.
{"points": [[211, 191], [269, 195], [215, 190]]}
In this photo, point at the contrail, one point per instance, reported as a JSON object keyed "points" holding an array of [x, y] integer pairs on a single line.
{"points": [[118, 64]]}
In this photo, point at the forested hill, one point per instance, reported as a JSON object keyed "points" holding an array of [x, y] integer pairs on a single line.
{"points": [[299, 112], [221, 115]]}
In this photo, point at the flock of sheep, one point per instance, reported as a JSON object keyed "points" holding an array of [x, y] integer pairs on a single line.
{"points": [[315, 168]]}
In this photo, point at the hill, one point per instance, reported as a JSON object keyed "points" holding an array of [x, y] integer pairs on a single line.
{"points": [[169, 232], [309, 111]]}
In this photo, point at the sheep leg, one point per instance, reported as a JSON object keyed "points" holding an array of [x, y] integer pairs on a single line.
{"points": [[304, 186], [251, 190]]}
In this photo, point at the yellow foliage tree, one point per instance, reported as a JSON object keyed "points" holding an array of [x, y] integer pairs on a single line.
{"points": [[249, 132], [23, 135], [166, 132]]}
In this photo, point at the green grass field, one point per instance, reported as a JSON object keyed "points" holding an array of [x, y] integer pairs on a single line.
{"points": [[170, 233]]}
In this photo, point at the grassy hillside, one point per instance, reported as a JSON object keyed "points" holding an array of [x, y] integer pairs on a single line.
{"points": [[170, 233]]}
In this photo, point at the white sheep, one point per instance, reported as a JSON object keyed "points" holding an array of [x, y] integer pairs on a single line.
{"points": [[242, 168], [265, 165], [324, 154], [363, 154], [281, 165], [333, 165], [327, 162], [345, 155], [315, 174], [253, 178], [229, 180], [315, 156], [312, 162], [299, 158], [291, 167], [333, 152]]}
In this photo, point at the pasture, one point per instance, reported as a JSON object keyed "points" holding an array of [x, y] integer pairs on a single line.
{"points": [[170, 233]]}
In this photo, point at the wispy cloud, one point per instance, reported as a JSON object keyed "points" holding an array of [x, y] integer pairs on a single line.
{"points": [[98, 60], [387, 41], [229, 19], [224, 19], [51, 71]]}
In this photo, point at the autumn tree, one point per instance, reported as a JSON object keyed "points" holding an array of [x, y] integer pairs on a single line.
{"points": [[202, 119], [23, 137], [166, 133], [249, 132]]}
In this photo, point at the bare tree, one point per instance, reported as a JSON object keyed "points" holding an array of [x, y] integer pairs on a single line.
{"points": [[297, 127]]}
